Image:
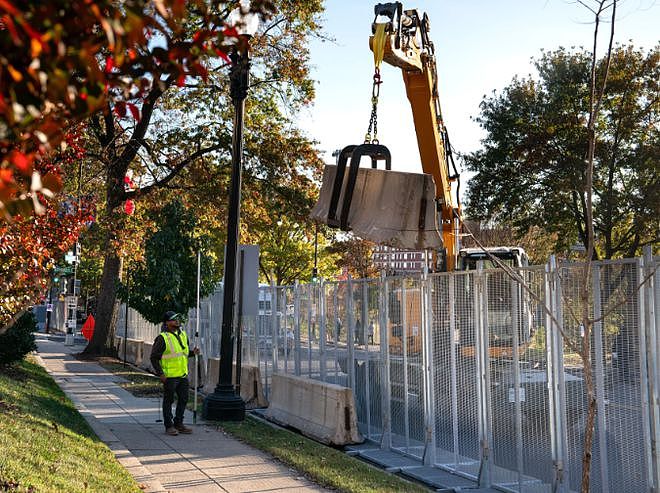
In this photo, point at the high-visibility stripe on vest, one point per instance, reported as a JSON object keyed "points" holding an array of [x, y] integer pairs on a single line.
{"points": [[175, 357]]}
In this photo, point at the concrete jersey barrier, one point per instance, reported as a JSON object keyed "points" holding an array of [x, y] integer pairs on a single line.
{"points": [[322, 411], [252, 391]]}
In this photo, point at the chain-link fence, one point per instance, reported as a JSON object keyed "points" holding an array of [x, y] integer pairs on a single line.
{"points": [[476, 372]]}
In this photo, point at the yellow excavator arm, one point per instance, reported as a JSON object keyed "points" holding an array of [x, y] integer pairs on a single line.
{"points": [[408, 211], [404, 41]]}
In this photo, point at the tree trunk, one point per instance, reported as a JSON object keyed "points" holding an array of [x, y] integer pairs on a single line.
{"points": [[589, 427], [102, 342]]}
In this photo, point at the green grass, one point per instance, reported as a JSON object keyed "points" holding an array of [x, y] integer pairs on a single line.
{"points": [[46, 444], [138, 382], [324, 465]]}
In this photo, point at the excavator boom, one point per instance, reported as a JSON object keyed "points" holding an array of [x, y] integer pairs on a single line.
{"points": [[390, 207]]}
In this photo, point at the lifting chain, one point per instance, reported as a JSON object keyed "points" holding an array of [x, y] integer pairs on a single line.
{"points": [[378, 49], [370, 138]]}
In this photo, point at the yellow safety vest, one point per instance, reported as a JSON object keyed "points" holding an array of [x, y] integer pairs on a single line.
{"points": [[175, 357]]}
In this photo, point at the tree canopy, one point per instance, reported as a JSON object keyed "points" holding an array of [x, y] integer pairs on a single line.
{"points": [[64, 60], [181, 142], [531, 169], [166, 279]]}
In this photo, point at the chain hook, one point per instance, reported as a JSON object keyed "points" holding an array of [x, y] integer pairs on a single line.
{"points": [[370, 138]]}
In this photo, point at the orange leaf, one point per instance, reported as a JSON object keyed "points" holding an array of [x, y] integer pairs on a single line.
{"points": [[35, 47], [15, 74]]}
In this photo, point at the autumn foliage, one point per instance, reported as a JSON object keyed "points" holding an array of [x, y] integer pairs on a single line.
{"points": [[30, 244], [63, 60]]}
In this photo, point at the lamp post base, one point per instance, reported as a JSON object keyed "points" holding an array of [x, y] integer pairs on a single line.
{"points": [[223, 405]]}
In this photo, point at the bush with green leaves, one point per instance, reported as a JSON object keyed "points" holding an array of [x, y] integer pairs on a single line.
{"points": [[18, 340]]}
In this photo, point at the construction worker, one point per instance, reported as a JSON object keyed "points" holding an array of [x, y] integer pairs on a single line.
{"points": [[169, 358]]}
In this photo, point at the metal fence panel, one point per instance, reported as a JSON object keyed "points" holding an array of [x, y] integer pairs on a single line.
{"points": [[473, 372]]}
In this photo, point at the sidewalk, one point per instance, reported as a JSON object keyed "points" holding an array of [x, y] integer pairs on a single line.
{"points": [[204, 462]]}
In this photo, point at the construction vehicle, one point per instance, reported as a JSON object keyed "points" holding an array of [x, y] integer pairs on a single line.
{"points": [[407, 210], [412, 211]]}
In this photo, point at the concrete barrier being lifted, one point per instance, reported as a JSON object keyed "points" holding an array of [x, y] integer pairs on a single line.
{"points": [[322, 411]]}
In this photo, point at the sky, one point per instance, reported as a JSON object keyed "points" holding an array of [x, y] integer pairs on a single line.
{"points": [[480, 45]]}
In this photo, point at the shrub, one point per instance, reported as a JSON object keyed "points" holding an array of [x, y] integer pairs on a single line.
{"points": [[18, 340]]}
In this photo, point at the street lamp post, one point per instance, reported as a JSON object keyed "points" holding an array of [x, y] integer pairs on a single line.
{"points": [[223, 404]]}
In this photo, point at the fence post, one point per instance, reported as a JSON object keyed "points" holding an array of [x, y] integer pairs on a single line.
{"points": [[310, 289], [322, 329], [649, 368], [553, 302], [296, 329], [274, 325], [350, 334], [517, 313], [653, 324], [454, 363], [483, 375], [427, 362], [386, 389], [404, 351], [561, 389], [335, 329], [600, 379], [367, 363]]}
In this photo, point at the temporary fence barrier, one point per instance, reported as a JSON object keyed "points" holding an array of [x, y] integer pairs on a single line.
{"points": [[476, 372]]}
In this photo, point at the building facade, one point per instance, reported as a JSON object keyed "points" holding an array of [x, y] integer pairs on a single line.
{"points": [[395, 261]]}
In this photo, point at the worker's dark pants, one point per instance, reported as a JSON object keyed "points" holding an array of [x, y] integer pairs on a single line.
{"points": [[178, 386]]}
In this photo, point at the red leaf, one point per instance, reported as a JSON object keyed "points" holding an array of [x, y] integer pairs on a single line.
{"points": [[52, 181], [222, 55], [134, 111], [129, 207], [120, 109], [109, 64], [21, 162], [9, 7], [230, 32], [181, 80]]}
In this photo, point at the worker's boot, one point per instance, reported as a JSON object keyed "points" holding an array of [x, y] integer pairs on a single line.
{"points": [[183, 429]]}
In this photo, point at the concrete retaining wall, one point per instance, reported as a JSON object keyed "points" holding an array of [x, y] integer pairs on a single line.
{"points": [[323, 411]]}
